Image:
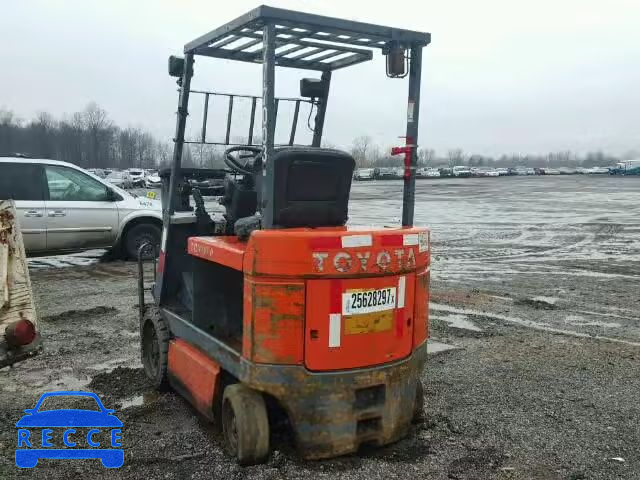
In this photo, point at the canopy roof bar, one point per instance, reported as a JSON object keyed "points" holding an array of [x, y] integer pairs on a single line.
{"points": [[318, 39]]}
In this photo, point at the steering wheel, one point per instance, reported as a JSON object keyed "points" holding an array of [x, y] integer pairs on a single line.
{"points": [[71, 190], [242, 163]]}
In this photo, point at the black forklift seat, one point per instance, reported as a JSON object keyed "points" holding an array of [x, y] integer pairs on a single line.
{"points": [[311, 186]]}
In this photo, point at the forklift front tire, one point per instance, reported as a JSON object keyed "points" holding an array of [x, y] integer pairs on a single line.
{"points": [[245, 424], [154, 343]]}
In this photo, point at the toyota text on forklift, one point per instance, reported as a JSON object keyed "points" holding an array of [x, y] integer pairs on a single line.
{"points": [[280, 307]]}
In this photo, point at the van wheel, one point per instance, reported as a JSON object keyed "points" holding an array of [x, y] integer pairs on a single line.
{"points": [[154, 348], [245, 424], [137, 236]]}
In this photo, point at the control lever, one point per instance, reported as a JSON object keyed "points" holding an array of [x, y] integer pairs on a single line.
{"points": [[406, 150]]}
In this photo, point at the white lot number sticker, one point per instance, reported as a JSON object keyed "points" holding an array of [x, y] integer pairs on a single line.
{"points": [[423, 242], [368, 301]]}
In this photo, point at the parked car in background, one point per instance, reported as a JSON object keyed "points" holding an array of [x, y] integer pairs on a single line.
{"points": [[598, 170], [153, 180], [486, 172], [502, 172], [137, 176], [119, 179], [461, 171], [388, 173], [621, 168], [98, 172], [62, 207], [632, 171], [365, 174], [426, 172], [445, 172]]}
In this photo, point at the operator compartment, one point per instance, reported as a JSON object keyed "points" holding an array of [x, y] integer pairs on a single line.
{"points": [[315, 292]]}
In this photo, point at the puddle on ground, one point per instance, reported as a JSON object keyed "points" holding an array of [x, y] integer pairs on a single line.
{"points": [[108, 365], [69, 383], [139, 400], [434, 346], [457, 321], [40, 383]]}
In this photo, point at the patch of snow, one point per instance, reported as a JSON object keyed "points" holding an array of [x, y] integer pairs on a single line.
{"points": [[527, 323], [583, 322], [434, 346], [457, 321], [542, 298]]}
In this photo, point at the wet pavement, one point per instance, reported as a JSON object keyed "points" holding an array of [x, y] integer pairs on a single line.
{"points": [[535, 344]]}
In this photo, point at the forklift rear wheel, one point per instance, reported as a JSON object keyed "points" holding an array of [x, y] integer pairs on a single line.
{"points": [[154, 348], [418, 412], [245, 424]]}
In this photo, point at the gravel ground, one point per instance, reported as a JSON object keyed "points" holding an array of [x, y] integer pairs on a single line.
{"points": [[533, 374]]}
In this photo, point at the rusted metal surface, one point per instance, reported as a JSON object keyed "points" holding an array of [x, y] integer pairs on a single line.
{"points": [[274, 321], [334, 414], [193, 372], [421, 307], [16, 297]]}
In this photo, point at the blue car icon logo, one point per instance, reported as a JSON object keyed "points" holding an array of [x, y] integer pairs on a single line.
{"points": [[85, 433]]}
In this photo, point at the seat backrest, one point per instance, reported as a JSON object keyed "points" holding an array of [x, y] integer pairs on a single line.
{"points": [[311, 186]]}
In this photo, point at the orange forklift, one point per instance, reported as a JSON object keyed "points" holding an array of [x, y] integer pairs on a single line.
{"points": [[277, 305]]}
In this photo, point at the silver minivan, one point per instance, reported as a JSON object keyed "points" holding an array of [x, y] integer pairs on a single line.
{"points": [[62, 207]]}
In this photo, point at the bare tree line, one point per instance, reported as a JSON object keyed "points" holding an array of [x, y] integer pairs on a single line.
{"points": [[88, 138], [368, 154]]}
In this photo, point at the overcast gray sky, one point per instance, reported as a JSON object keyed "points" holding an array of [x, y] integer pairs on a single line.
{"points": [[500, 76]]}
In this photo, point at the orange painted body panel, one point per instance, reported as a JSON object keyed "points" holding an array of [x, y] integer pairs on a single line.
{"points": [[227, 251], [290, 292], [273, 321], [421, 315], [195, 372], [319, 252], [356, 341]]}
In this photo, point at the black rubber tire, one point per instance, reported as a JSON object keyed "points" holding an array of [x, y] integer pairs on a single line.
{"points": [[245, 424], [418, 409], [154, 348], [139, 234]]}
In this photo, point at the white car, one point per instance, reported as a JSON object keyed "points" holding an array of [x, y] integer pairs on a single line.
{"points": [[137, 177], [365, 174], [426, 172], [461, 171], [598, 170], [62, 207], [153, 180], [119, 179]]}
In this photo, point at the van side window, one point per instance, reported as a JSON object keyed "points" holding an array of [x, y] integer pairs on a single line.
{"points": [[68, 184], [21, 181]]}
